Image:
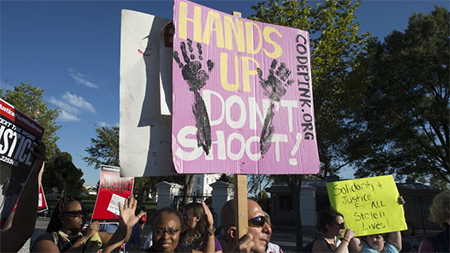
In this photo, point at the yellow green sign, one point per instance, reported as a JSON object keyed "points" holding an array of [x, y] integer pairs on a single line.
{"points": [[369, 205]]}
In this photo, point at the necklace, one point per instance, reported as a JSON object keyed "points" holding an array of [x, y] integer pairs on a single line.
{"points": [[69, 238], [189, 242]]}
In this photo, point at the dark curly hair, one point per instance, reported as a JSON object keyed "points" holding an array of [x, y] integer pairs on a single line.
{"points": [[55, 223]]}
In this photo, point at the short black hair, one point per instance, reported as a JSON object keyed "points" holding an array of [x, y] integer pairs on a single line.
{"points": [[167, 210]]}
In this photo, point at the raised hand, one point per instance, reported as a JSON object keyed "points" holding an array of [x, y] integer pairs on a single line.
{"points": [[127, 212], [274, 89], [127, 221], [196, 78], [209, 216]]}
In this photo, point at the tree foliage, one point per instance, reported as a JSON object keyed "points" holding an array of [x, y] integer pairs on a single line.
{"points": [[403, 123], [104, 148], [29, 100], [61, 174], [335, 47]]}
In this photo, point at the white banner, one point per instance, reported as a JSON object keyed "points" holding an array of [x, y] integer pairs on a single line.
{"points": [[145, 97]]}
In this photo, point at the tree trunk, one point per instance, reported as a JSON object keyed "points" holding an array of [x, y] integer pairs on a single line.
{"points": [[295, 185]]}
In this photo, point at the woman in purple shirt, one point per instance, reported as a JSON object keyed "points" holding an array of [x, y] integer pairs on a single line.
{"points": [[197, 228]]}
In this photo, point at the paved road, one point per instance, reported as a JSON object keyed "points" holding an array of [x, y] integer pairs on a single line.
{"points": [[285, 239]]}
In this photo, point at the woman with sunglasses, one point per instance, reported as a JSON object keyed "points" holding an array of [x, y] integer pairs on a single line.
{"points": [[167, 225], [64, 229], [331, 225], [197, 227]]}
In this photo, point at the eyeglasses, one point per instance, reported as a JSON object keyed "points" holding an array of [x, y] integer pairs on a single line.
{"points": [[257, 221], [160, 231], [341, 225], [76, 214]]}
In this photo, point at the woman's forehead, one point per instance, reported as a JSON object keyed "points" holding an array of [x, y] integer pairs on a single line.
{"points": [[72, 206], [167, 220]]}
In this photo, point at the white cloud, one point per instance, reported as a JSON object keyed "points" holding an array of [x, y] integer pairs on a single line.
{"points": [[78, 102], [82, 79], [64, 116], [102, 124], [105, 124], [72, 106]]}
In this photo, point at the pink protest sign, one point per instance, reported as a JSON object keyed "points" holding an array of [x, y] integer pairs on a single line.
{"points": [[242, 95]]}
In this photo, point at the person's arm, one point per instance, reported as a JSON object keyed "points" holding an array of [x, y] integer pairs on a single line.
{"points": [[395, 238], [355, 245], [24, 221], [345, 241], [425, 246], [126, 223], [105, 236], [79, 244], [45, 246], [209, 243]]}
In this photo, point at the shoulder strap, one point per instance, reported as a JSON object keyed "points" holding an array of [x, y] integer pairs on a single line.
{"points": [[55, 238], [325, 241], [197, 242]]}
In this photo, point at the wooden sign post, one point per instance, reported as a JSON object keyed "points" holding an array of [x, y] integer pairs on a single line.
{"points": [[240, 193]]}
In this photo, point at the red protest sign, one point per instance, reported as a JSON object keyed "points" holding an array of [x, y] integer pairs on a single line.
{"points": [[112, 190], [18, 132]]}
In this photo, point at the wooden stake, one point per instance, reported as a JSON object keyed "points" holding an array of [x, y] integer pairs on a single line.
{"points": [[240, 193]]}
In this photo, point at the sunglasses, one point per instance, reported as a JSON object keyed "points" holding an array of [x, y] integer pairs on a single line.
{"points": [[160, 231], [341, 225], [76, 214], [258, 221]]}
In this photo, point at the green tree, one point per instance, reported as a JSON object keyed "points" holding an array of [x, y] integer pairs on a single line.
{"points": [[29, 100], [61, 174], [404, 119], [335, 47], [104, 148]]}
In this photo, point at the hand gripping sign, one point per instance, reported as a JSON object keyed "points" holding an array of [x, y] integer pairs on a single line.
{"points": [[113, 190], [369, 205], [17, 134]]}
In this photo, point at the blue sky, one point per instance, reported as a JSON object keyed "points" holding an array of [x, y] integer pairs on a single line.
{"points": [[71, 49]]}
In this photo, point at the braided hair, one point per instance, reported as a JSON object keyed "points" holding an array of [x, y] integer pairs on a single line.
{"points": [[55, 223]]}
